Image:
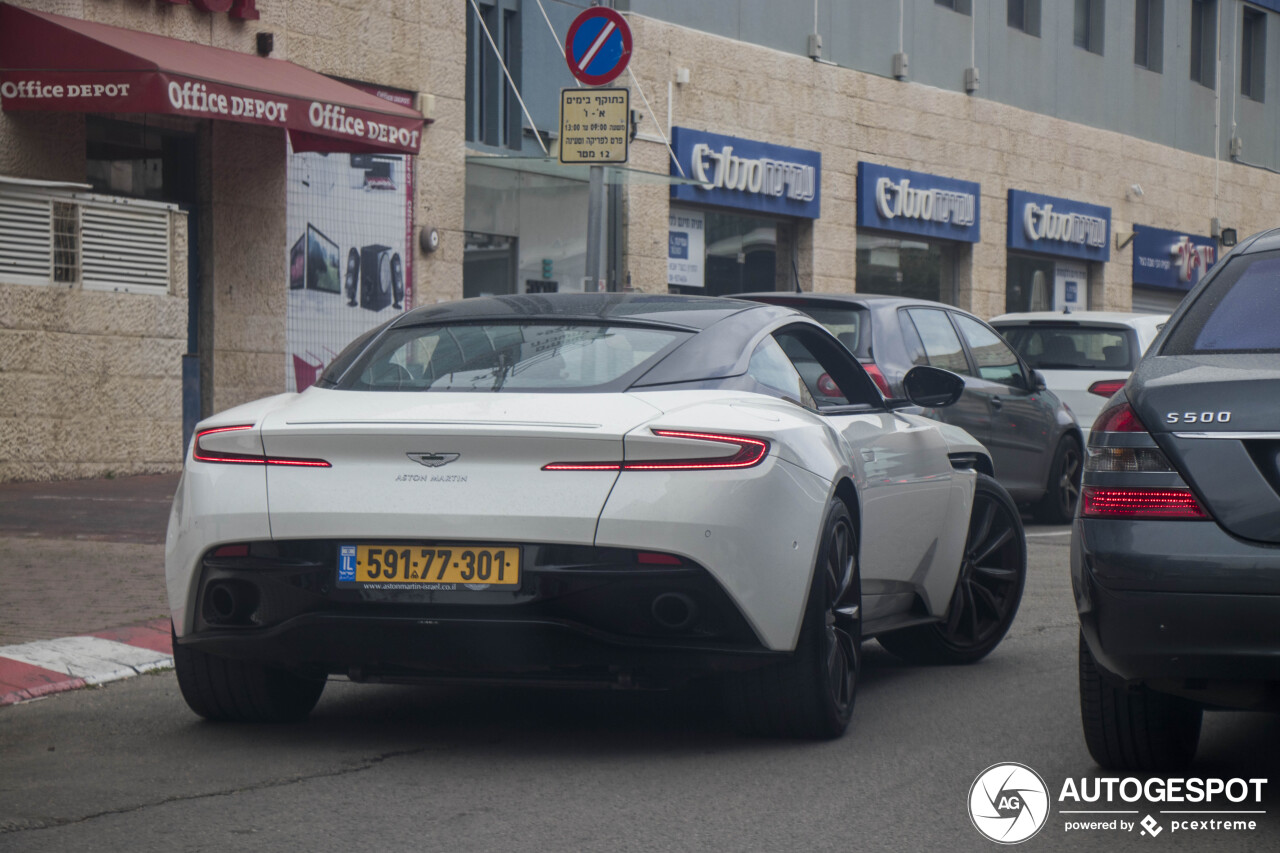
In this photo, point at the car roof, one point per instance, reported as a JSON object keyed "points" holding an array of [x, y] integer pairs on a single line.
{"points": [[1106, 318], [869, 300], [687, 312]]}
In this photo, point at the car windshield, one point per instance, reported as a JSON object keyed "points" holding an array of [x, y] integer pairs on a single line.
{"points": [[506, 357], [1073, 347], [1238, 311]]}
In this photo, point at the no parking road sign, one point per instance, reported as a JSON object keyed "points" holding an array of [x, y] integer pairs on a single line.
{"points": [[598, 46]]}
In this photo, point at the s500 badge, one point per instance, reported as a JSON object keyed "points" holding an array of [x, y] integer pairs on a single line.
{"points": [[1197, 418]]}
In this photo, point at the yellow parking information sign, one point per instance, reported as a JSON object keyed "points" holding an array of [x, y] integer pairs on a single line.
{"points": [[593, 125]]}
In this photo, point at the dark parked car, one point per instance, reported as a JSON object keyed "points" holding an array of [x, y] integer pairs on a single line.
{"points": [[1032, 436], [1175, 557]]}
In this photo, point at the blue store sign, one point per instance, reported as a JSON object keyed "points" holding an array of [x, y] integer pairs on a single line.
{"points": [[1059, 226], [1163, 258], [746, 174], [918, 203]]}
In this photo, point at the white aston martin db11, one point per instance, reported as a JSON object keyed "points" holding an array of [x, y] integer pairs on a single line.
{"points": [[633, 490]]}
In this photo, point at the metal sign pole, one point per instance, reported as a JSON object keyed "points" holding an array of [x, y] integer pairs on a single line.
{"points": [[595, 206]]}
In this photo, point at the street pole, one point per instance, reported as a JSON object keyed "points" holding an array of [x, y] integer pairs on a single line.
{"points": [[595, 206]]}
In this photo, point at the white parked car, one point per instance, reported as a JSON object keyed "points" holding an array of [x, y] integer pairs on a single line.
{"points": [[595, 488], [1085, 356]]}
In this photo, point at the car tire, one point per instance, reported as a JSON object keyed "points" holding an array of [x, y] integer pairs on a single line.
{"points": [[1058, 506], [230, 690], [988, 587], [1135, 729], [811, 695]]}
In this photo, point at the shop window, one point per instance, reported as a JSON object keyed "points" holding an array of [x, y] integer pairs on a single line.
{"points": [[140, 161], [488, 265], [1204, 38], [493, 109], [1089, 27], [1024, 15], [911, 268], [1253, 54], [1028, 284], [1148, 35], [741, 254]]}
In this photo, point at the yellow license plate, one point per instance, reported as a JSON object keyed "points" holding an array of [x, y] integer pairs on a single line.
{"points": [[402, 563]]}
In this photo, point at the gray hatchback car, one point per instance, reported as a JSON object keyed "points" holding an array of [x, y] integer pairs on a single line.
{"points": [[1034, 440], [1175, 557]]}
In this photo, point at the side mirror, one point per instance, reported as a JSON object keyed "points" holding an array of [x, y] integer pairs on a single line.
{"points": [[932, 387], [1037, 381]]}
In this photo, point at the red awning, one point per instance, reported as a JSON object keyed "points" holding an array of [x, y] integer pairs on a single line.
{"points": [[53, 63]]}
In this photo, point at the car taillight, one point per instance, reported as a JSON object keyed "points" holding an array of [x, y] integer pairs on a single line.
{"points": [[1106, 387], [751, 452], [1135, 452], [1118, 418], [204, 454], [657, 558], [1109, 502], [873, 370]]}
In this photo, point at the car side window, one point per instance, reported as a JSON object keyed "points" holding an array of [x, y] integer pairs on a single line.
{"points": [[942, 346], [771, 367], [996, 360]]}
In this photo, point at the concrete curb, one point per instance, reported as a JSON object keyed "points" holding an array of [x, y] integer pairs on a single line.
{"points": [[34, 670]]}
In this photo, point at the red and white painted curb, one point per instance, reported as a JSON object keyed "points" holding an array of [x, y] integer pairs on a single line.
{"points": [[31, 670]]}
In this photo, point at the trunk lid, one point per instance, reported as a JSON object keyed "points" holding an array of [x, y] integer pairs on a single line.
{"points": [[461, 466]]}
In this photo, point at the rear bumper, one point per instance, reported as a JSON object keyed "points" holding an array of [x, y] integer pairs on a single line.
{"points": [[1180, 606], [457, 648], [578, 615]]}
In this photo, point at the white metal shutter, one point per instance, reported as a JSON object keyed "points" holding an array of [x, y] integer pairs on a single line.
{"points": [[25, 242], [124, 246], [1156, 300]]}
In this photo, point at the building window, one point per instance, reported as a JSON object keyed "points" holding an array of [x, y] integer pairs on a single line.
{"points": [[1089, 27], [1025, 15], [964, 7], [1253, 54], [1148, 35], [1204, 36], [493, 110]]}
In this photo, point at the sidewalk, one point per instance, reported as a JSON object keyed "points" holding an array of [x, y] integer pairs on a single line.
{"points": [[82, 596]]}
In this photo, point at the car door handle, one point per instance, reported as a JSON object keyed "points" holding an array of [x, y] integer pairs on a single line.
{"points": [[996, 402]]}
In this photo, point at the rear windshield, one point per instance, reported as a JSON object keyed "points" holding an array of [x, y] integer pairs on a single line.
{"points": [[1073, 347], [507, 357], [850, 324], [1238, 311]]}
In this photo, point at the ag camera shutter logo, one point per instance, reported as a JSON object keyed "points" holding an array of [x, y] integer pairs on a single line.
{"points": [[1008, 803]]}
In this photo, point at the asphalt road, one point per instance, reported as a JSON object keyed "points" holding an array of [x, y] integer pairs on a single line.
{"points": [[386, 768]]}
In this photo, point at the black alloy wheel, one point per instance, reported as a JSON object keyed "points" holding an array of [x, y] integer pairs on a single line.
{"points": [[811, 695], [1058, 506], [988, 588]]}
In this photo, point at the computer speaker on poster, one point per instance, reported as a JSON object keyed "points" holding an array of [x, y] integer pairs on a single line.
{"points": [[375, 277], [353, 275]]}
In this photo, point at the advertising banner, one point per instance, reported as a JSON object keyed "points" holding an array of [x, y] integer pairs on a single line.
{"points": [[686, 247], [1059, 226], [1172, 259], [349, 264], [918, 203], [746, 174]]}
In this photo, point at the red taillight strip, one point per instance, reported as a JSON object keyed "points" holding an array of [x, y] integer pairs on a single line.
{"points": [[751, 451], [1107, 387], [1108, 502], [877, 376], [202, 455]]}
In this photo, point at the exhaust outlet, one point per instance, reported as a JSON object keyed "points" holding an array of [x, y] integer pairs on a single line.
{"points": [[674, 611], [230, 603]]}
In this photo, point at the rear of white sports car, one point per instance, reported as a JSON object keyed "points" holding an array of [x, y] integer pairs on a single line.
{"points": [[582, 536], [628, 491]]}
